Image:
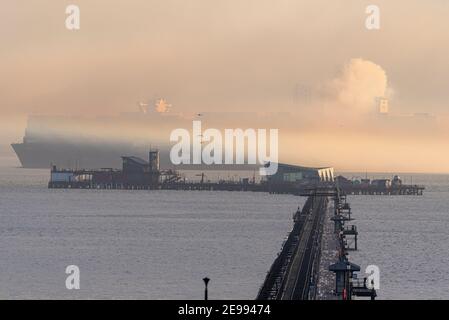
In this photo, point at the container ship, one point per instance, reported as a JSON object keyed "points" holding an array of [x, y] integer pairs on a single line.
{"points": [[42, 154], [100, 142]]}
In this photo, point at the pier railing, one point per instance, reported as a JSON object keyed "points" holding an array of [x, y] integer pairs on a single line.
{"points": [[274, 281]]}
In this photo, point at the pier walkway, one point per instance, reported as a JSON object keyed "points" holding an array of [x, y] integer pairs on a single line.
{"points": [[292, 275]]}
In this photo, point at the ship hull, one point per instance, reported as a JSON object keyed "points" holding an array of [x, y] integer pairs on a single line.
{"points": [[44, 155]]}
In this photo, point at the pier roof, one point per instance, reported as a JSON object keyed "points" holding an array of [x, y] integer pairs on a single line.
{"points": [[297, 167], [344, 266], [137, 160]]}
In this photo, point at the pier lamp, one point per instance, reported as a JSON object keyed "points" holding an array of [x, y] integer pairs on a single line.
{"points": [[206, 281]]}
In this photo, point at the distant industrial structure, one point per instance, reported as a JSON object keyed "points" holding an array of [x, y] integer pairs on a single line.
{"points": [[287, 173], [139, 174], [378, 186], [136, 173]]}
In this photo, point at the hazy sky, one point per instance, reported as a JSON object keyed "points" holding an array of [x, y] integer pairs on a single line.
{"points": [[223, 55]]}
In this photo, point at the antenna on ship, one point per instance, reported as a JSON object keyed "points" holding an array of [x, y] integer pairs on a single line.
{"points": [[143, 107]]}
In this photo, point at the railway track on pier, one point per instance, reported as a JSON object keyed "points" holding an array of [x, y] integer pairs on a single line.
{"points": [[298, 279], [295, 269]]}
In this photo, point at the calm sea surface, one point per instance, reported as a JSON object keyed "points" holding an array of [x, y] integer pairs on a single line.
{"points": [[407, 238], [135, 244], [160, 244]]}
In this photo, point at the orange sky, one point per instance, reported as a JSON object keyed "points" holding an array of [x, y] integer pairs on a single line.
{"points": [[229, 55]]}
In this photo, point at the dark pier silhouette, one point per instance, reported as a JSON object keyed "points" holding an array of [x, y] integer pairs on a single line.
{"points": [[139, 174], [295, 273]]}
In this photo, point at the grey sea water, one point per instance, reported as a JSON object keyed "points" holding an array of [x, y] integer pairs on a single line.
{"points": [[407, 238], [160, 244], [135, 244]]}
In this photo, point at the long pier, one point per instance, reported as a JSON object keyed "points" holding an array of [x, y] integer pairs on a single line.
{"points": [[139, 174], [295, 273], [116, 180]]}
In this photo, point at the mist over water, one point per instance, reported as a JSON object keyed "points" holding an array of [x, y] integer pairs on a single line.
{"points": [[322, 66]]}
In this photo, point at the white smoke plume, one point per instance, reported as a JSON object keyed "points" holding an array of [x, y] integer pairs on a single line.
{"points": [[359, 84]]}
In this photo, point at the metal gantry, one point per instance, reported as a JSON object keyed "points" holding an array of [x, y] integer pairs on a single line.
{"points": [[347, 284]]}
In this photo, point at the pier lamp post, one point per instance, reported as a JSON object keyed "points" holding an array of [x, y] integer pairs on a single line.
{"points": [[206, 281]]}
